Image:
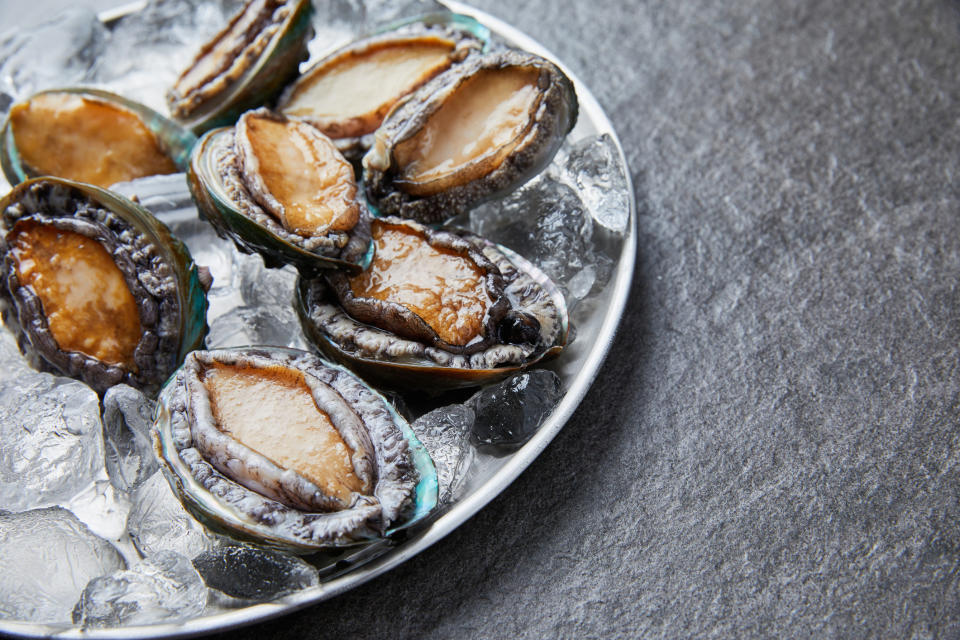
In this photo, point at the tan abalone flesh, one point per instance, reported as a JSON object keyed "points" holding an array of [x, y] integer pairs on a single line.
{"points": [[85, 137], [470, 134], [347, 93]]}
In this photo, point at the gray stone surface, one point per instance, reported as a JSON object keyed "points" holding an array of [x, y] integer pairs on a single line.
{"points": [[771, 450]]}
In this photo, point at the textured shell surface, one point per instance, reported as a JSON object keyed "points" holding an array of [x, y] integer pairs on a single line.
{"points": [[471, 134], [236, 489], [169, 312]]}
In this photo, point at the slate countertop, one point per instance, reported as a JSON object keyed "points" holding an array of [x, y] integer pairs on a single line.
{"points": [[771, 449]]}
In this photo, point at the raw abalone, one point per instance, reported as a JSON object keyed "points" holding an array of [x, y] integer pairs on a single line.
{"points": [[95, 287], [280, 448], [243, 66], [90, 136], [470, 134], [347, 93], [279, 187], [435, 310]]}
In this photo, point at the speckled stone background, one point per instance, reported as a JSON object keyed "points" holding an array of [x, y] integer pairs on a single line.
{"points": [[772, 448]]}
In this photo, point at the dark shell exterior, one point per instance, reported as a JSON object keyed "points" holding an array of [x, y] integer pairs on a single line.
{"points": [[465, 35], [174, 140], [259, 67], [406, 480], [222, 198], [381, 355], [555, 115], [157, 268]]}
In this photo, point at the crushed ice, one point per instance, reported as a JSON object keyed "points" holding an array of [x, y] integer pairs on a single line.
{"points": [[134, 555]]}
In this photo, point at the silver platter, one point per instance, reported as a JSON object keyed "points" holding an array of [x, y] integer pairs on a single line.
{"points": [[578, 367]]}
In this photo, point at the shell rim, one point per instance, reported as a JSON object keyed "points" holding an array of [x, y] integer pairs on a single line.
{"points": [[198, 171], [176, 472], [476, 377]]}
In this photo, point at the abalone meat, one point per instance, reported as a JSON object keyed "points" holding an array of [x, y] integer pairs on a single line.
{"points": [[244, 66], [475, 132], [436, 309], [347, 93], [95, 287], [281, 448], [90, 136], [279, 187]]}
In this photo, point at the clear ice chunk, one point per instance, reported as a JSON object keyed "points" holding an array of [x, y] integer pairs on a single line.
{"points": [[337, 22], [546, 222], [445, 432], [165, 196], [509, 413], [267, 316], [163, 588], [47, 557], [252, 574], [593, 166], [255, 326], [12, 363], [158, 522], [127, 417], [52, 440], [60, 52]]}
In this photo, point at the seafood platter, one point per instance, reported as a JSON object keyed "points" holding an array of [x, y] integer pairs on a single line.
{"points": [[311, 297]]}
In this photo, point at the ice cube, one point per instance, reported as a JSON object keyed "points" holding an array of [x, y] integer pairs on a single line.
{"points": [[547, 222], [337, 22], [12, 363], [445, 432], [47, 557], [165, 196], [594, 167], [509, 413], [52, 440], [127, 416], [263, 287], [158, 522], [256, 326], [57, 53], [164, 587], [254, 574], [379, 13]]}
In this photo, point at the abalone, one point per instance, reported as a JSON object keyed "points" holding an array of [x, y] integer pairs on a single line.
{"points": [[468, 135], [95, 287], [244, 66], [436, 309], [279, 187], [281, 448], [347, 93], [90, 136]]}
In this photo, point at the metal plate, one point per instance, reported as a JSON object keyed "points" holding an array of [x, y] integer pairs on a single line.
{"points": [[577, 366]]}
